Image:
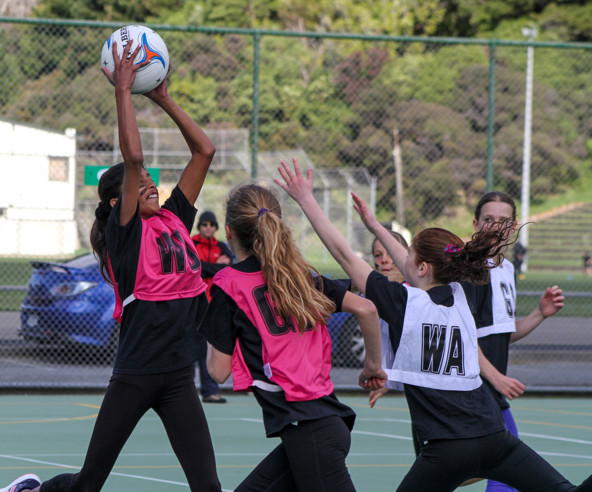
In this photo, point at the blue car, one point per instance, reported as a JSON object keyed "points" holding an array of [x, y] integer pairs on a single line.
{"points": [[69, 305]]}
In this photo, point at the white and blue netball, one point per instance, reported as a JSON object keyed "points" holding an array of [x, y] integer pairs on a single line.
{"points": [[153, 49]]}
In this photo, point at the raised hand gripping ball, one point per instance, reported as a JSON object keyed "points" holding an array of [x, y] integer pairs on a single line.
{"points": [[153, 49]]}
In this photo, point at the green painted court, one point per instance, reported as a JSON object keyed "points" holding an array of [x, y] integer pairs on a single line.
{"points": [[48, 434]]}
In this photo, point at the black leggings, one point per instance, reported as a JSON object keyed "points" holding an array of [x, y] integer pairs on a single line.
{"points": [[174, 398], [442, 465], [310, 458]]}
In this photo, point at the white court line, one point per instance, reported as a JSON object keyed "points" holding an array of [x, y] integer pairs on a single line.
{"points": [[554, 438], [526, 434], [401, 421], [565, 455], [378, 434], [61, 465], [407, 438], [397, 421], [389, 436]]}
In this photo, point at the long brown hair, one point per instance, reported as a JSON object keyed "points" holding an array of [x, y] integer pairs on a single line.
{"points": [[109, 188], [255, 217], [453, 260]]}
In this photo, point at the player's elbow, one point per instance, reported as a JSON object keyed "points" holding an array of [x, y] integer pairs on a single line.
{"points": [[365, 309], [134, 158], [219, 365], [208, 151], [218, 376]]}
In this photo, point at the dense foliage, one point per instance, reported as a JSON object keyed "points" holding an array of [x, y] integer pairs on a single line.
{"points": [[339, 100]]}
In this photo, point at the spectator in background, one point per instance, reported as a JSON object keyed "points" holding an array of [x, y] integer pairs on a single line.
{"points": [[519, 252], [214, 256], [587, 263]]}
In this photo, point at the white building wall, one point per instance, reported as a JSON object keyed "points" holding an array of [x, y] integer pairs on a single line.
{"points": [[36, 214]]}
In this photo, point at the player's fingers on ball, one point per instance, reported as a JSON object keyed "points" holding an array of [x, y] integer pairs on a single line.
{"points": [[137, 50], [126, 50], [140, 65]]}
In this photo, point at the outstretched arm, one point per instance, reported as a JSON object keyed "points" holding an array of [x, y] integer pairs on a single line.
{"points": [[122, 77], [372, 376], [300, 188], [551, 302], [394, 248], [201, 147]]}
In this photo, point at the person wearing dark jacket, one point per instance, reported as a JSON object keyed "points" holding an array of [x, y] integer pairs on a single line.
{"points": [[214, 255]]}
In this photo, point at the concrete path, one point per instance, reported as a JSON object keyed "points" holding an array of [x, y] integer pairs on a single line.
{"points": [[557, 356]]}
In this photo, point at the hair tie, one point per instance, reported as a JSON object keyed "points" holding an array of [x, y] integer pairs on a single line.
{"points": [[262, 211], [451, 248]]}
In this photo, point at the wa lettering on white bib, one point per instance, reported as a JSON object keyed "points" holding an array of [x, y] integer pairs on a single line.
{"points": [[438, 347]]}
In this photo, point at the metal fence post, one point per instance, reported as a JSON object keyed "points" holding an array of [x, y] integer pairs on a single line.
{"points": [[255, 112], [490, 116]]}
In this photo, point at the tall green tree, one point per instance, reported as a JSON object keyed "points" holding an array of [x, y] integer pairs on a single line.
{"points": [[106, 10]]}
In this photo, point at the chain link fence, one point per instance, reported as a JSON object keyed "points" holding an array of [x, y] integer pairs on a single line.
{"points": [[420, 128]]}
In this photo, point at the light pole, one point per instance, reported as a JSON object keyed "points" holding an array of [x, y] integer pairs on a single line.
{"points": [[529, 33]]}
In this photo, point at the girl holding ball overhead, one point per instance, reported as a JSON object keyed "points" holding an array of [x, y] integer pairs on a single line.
{"points": [[434, 338], [145, 251]]}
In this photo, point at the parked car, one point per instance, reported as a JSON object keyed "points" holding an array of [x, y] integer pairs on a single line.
{"points": [[70, 306]]}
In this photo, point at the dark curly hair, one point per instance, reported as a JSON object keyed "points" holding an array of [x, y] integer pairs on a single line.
{"points": [[452, 260], [109, 188]]}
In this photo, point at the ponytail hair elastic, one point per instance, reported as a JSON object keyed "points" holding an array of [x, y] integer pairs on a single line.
{"points": [[261, 212], [451, 248]]}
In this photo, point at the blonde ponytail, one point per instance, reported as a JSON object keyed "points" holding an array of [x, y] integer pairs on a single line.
{"points": [[254, 215]]}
